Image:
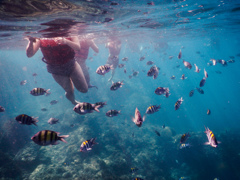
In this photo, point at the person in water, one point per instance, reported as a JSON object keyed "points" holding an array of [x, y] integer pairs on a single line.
{"points": [[114, 47], [82, 55], [58, 53]]}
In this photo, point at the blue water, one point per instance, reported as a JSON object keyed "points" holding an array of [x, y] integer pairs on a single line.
{"points": [[203, 31]]}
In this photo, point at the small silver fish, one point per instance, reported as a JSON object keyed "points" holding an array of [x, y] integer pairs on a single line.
{"points": [[22, 83]]}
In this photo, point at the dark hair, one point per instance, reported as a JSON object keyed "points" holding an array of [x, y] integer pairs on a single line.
{"points": [[58, 28]]}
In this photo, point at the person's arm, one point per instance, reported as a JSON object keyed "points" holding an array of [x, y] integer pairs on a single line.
{"points": [[73, 44], [94, 46], [32, 47]]}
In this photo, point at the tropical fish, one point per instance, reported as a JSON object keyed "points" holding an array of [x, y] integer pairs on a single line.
{"points": [[142, 58], [214, 61], [211, 138], [184, 138], [137, 178], [112, 113], [53, 121], [39, 91], [178, 103], [116, 85], [157, 132], [187, 64], [125, 59], [47, 137], [100, 104], [137, 119], [44, 109], [150, 62], [161, 90], [170, 57], [191, 93], [87, 145], [102, 70], [83, 108], [167, 94], [121, 65], [205, 73], [223, 62], [208, 112], [196, 68], [2, 109], [152, 109], [135, 73], [180, 54], [184, 145], [231, 61], [202, 82], [53, 102], [133, 170], [23, 82], [25, 119], [200, 90], [34, 74], [172, 77], [153, 72], [184, 178], [163, 126], [183, 77], [125, 71]]}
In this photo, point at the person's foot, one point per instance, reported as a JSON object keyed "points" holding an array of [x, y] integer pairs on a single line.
{"points": [[91, 86]]}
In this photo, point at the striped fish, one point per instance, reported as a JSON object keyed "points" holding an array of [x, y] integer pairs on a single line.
{"points": [[47, 137], [178, 103], [102, 70], [39, 91], [87, 145], [116, 85], [83, 108], [212, 141], [152, 109], [184, 138], [112, 113], [100, 104], [25, 119]]}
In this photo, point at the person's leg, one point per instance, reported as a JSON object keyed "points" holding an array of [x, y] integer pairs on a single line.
{"points": [[78, 79], [85, 72], [67, 85]]}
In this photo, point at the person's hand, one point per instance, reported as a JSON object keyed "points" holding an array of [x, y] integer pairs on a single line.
{"points": [[31, 39], [61, 40]]}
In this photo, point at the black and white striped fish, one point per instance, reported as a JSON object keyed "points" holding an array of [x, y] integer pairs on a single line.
{"points": [[39, 91], [112, 113], [116, 85], [152, 109], [87, 145], [47, 137], [102, 70], [83, 108], [25, 119], [178, 103]]}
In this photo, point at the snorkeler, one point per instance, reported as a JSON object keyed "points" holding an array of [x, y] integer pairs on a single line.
{"points": [[82, 55], [58, 54], [114, 46]]}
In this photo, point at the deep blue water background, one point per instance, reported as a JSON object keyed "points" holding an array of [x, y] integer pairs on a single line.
{"points": [[215, 35]]}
